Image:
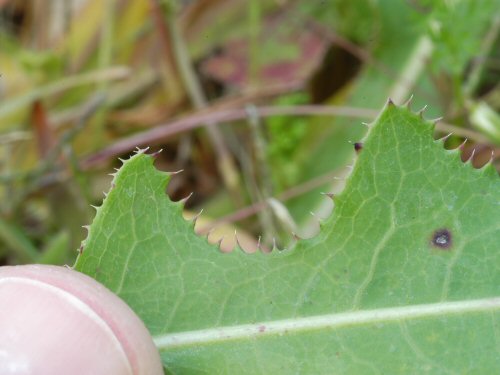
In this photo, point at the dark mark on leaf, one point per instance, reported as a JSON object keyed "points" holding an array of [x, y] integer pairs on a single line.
{"points": [[441, 239], [358, 146]]}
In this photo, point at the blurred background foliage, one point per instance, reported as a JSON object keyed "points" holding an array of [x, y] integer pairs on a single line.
{"points": [[259, 103]]}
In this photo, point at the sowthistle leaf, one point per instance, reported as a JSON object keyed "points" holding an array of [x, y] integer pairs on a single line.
{"points": [[402, 278]]}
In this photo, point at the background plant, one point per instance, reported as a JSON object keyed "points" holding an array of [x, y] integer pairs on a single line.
{"points": [[86, 82]]}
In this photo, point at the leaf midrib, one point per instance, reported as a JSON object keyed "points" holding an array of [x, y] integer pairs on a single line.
{"points": [[311, 323]]}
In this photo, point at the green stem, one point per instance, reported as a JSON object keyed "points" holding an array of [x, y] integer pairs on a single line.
{"points": [[478, 67], [225, 164], [254, 23]]}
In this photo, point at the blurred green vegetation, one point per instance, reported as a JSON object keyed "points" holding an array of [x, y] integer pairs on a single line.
{"points": [[258, 102]]}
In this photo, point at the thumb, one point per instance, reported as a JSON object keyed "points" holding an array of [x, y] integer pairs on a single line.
{"points": [[54, 320]]}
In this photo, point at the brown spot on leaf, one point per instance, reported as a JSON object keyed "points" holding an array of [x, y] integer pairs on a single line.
{"points": [[441, 239], [358, 146]]}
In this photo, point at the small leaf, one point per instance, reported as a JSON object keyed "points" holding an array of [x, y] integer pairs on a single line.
{"points": [[402, 278]]}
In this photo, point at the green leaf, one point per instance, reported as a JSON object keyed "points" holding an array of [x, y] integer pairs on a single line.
{"points": [[402, 278], [393, 46]]}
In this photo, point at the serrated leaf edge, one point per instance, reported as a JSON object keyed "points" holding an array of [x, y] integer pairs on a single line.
{"points": [[487, 169]]}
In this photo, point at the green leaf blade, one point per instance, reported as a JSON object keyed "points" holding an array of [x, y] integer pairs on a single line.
{"points": [[376, 252]]}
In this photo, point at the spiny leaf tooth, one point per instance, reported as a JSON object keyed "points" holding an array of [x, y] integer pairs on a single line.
{"points": [[112, 174], [420, 113], [489, 168], [238, 244], [209, 232], [183, 201], [219, 243], [390, 103], [462, 145], [155, 154], [259, 248], [195, 218], [116, 169], [176, 172], [445, 138], [367, 124], [492, 157], [139, 150], [329, 195], [318, 221], [408, 103], [322, 223], [95, 207], [471, 157], [436, 120], [274, 248], [122, 160]]}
